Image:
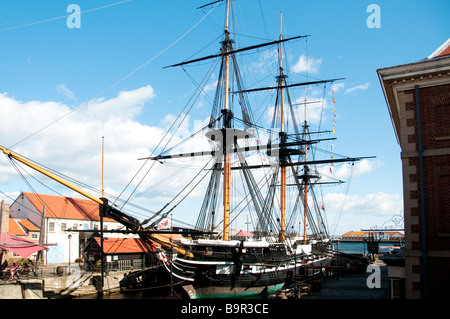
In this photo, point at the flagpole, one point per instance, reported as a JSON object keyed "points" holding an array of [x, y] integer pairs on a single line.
{"points": [[102, 253], [103, 167]]}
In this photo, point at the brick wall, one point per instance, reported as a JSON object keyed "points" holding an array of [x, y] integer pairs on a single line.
{"points": [[435, 124], [435, 121], [432, 77], [435, 116]]}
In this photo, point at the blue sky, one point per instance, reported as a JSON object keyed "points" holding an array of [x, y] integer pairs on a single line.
{"points": [[109, 74]]}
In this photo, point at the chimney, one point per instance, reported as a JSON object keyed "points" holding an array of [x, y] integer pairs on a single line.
{"points": [[4, 217]]}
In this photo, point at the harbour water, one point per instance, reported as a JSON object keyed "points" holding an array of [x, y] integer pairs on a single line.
{"points": [[360, 247]]}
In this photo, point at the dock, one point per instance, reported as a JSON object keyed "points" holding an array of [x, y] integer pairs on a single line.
{"points": [[335, 283], [331, 282], [60, 281]]}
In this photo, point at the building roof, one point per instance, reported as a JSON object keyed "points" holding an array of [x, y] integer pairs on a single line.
{"points": [[65, 207], [124, 245], [365, 233], [442, 51], [355, 233], [244, 233], [445, 52], [21, 227], [429, 71]]}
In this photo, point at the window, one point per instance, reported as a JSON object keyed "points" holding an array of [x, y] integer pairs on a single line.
{"points": [[51, 226], [63, 226]]}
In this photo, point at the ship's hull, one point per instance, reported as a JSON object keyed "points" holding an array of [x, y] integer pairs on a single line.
{"points": [[216, 292], [215, 278]]}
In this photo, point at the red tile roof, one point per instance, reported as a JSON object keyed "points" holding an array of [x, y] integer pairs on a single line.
{"points": [[65, 207], [363, 233], [124, 245], [355, 233], [18, 227], [445, 52], [15, 229], [244, 233], [27, 224]]}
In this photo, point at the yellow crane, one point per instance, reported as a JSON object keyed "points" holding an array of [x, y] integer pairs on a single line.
{"points": [[106, 210]]}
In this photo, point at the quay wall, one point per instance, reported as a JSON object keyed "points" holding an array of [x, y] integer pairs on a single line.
{"points": [[26, 290], [64, 286]]}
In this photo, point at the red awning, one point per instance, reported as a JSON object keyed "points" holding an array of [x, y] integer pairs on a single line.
{"points": [[19, 246]]}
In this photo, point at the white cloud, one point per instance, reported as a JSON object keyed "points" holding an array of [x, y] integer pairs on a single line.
{"points": [[357, 169], [126, 105], [358, 87], [337, 86], [72, 144], [316, 107], [353, 212], [310, 65], [210, 87], [347, 212], [266, 62], [65, 92]]}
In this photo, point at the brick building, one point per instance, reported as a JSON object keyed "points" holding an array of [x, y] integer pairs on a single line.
{"points": [[418, 99]]}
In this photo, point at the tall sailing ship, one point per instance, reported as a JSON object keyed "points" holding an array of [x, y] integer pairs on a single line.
{"points": [[278, 176]]}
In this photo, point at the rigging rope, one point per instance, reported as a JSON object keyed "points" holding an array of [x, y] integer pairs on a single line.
{"points": [[160, 142], [179, 193], [341, 206], [19, 170]]}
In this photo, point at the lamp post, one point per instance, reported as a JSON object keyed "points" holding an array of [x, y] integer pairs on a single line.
{"points": [[70, 237]]}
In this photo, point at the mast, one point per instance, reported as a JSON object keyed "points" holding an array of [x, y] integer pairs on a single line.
{"points": [[305, 204], [282, 141], [227, 156], [228, 139]]}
